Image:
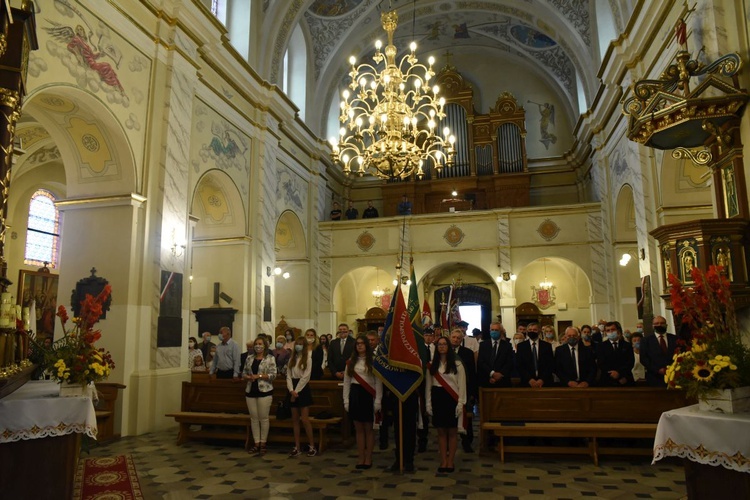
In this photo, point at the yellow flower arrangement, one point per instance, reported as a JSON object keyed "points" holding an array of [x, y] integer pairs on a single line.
{"points": [[715, 357], [74, 358]]}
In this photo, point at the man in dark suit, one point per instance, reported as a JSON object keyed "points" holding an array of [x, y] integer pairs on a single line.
{"points": [[575, 365], [341, 350], [615, 358], [657, 351], [467, 358], [495, 361], [535, 359]]}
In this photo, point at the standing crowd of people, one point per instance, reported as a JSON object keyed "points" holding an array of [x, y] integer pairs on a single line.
{"points": [[456, 366]]}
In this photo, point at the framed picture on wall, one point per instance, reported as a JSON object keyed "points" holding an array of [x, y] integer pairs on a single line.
{"points": [[41, 288]]}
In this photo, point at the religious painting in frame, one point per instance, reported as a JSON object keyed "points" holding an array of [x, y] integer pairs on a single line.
{"points": [[41, 288], [169, 327]]}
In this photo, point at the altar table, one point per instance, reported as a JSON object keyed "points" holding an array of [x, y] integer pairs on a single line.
{"points": [[40, 438], [715, 449]]}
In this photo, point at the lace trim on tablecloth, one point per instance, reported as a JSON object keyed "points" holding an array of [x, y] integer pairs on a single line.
{"points": [[701, 455], [36, 432]]}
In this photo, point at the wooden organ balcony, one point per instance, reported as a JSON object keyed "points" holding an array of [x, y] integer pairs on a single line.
{"points": [[491, 168]]}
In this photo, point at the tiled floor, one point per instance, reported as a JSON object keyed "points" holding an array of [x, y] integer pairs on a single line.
{"points": [[201, 470]]}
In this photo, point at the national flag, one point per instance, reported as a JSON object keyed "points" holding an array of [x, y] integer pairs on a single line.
{"points": [[397, 362], [415, 313], [426, 314], [445, 310]]}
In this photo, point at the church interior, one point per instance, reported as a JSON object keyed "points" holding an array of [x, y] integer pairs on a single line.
{"points": [[156, 142]]}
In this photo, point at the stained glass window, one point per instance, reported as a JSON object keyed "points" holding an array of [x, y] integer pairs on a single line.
{"points": [[43, 230]]}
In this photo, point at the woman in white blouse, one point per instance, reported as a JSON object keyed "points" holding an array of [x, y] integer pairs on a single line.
{"points": [[445, 397], [363, 392], [298, 374], [260, 370]]}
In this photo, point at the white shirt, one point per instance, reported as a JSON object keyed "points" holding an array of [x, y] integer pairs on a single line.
{"points": [[360, 368], [296, 372], [471, 343], [455, 379]]}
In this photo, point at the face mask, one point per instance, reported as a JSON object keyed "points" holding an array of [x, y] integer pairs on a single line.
{"points": [[259, 348], [549, 335], [601, 327], [191, 344], [298, 348], [309, 340], [289, 339], [533, 335], [279, 345], [660, 329], [573, 341], [639, 330], [627, 336], [515, 341], [494, 334], [636, 345], [612, 336], [586, 337]]}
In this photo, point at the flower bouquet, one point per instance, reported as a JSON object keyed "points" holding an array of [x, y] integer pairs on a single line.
{"points": [[712, 358], [74, 359]]}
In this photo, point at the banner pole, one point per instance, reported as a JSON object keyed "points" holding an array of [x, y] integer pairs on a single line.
{"points": [[401, 436]]}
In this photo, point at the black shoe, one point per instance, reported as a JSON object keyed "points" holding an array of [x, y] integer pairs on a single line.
{"points": [[468, 449], [361, 466], [383, 445], [422, 448], [409, 468], [442, 470], [394, 467]]}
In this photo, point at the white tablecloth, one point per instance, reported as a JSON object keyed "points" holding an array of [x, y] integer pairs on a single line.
{"points": [[704, 437], [35, 411]]}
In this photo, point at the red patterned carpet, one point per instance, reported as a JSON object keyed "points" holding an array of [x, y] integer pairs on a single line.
{"points": [[110, 478]]}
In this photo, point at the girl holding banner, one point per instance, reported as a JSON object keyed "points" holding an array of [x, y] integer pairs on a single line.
{"points": [[445, 397], [363, 392]]}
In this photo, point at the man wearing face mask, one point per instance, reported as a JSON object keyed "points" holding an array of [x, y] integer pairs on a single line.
{"points": [[615, 358], [574, 362], [639, 371], [535, 359], [227, 361], [495, 361], [206, 345], [657, 351]]}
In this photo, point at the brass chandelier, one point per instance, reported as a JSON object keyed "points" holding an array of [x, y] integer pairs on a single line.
{"points": [[391, 119]]}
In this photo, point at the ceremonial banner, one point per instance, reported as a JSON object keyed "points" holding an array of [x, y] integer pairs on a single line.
{"points": [[426, 314], [416, 319], [397, 362]]}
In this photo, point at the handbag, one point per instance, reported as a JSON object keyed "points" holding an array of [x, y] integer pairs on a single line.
{"points": [[284, 409]]}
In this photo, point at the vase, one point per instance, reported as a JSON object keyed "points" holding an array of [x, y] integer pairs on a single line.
{"points": [[735, 400], [68, 389]]}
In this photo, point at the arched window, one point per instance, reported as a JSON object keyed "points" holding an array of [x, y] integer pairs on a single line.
{"points": [[42, 230]]}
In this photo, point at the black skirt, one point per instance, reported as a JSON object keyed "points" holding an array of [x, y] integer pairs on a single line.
{"points": [[443, 409], [361, 404], [304, 398]]}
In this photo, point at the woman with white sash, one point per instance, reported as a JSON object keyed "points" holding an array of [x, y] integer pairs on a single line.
{"points": [[363, 392], [445, 397]]}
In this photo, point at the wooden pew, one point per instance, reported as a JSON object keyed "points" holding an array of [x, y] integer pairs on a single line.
{"points": [[220, 405], [105, 410], [590, 413]]}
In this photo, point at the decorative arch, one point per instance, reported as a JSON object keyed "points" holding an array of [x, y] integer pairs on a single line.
{"points": [[294, 69], [290, 241], [572, 286], [352, 293], [94, 148], [625, 226], [217, 204]]}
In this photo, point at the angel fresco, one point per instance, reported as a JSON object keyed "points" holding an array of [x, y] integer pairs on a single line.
{"points": [[227, 148], [547, 111], [86, 52]]}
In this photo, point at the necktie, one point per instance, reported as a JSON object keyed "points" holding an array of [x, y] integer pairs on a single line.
{"points": [[614, 345], [494, 351], [343, 344], [536, 362], [663, 344], [575, 362]]}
